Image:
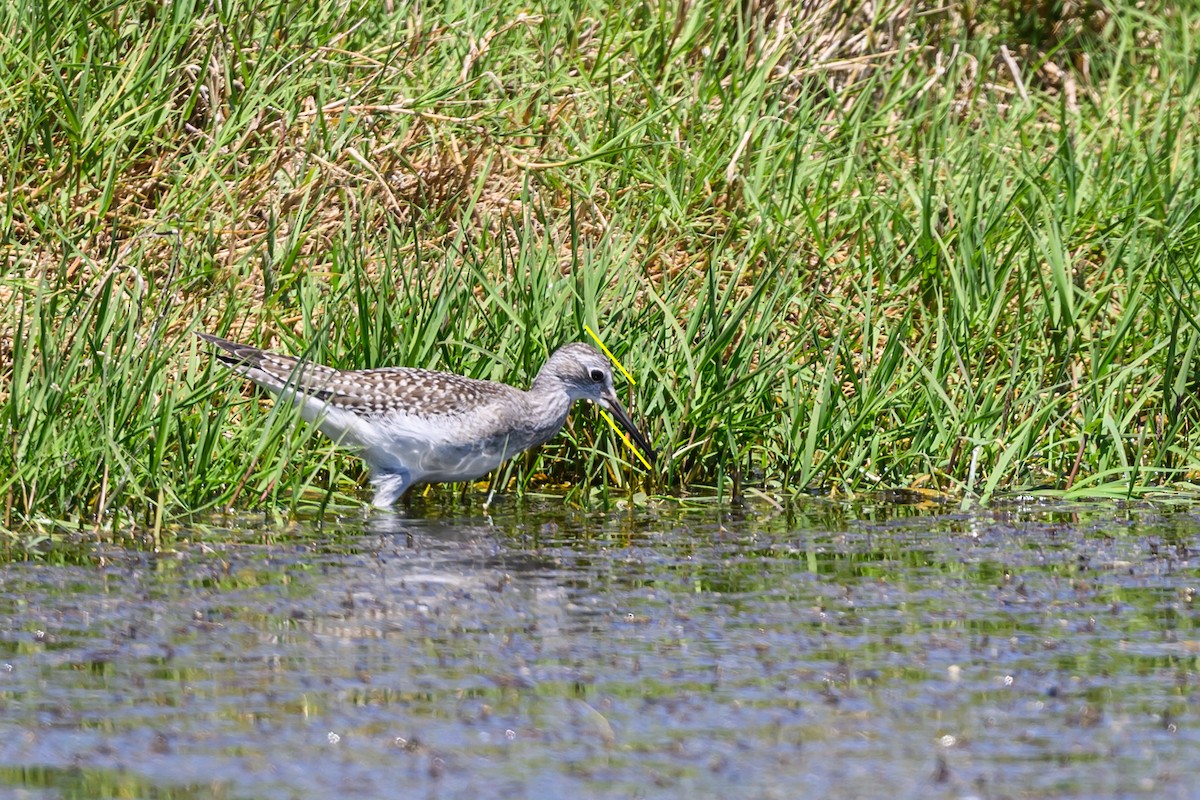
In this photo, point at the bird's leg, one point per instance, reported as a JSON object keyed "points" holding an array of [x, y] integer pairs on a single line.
{"points": [[491, 493], [389, 487]]}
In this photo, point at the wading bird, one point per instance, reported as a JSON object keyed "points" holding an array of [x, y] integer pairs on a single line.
{"points": [[414, 426]]}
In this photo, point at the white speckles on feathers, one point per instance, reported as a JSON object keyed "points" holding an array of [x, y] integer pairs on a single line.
{"points": [[418, 392]]}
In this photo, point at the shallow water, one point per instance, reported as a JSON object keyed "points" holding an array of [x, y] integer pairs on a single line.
{"points": [[831, 651]]}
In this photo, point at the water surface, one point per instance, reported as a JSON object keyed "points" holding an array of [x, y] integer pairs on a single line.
{"points": [[833, 650]]}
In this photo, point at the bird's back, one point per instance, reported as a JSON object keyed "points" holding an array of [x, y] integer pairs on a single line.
{"points": [[367, 392], [427, 423]]}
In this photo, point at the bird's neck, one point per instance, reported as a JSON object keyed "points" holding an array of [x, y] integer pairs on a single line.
{"points": [[547, 404]]}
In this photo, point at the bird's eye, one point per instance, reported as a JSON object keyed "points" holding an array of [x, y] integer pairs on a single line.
{"points": [[597, 375]]}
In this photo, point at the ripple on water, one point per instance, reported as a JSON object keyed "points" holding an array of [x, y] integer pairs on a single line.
{"points": [[832, 650]]}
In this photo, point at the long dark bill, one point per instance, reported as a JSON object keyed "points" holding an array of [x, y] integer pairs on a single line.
{"points": [[614, 407]]}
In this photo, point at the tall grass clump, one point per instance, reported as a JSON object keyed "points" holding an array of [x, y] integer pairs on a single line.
{"points": [[843, 248]]}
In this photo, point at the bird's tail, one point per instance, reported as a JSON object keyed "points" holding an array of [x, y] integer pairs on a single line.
{"points": [[235, 355], [273, 371]]}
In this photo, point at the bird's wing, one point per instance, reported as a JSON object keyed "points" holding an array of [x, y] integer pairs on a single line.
{"points": [[416, 392]]}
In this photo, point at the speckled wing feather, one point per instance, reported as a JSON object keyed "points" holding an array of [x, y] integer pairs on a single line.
{"points": [[418, 392]]}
